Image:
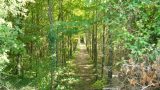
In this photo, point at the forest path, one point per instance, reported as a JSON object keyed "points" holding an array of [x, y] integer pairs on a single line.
{"points": [[84, 69]]}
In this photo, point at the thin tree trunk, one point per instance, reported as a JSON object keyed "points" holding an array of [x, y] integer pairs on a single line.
{"points": [[110, 58], [95, 44], [103, 49], [95, 52], [51, 41], [70, 44]]}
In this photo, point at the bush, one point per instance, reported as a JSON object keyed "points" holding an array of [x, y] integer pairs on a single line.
{"points": [[99, 84]]}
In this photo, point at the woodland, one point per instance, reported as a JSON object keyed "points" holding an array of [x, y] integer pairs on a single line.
{"points": [[79, 44]]}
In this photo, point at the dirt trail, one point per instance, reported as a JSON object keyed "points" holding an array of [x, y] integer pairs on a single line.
{"points": [[84, 67]]}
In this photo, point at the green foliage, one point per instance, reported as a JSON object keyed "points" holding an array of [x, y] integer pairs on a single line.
{"points": [[132, 26], [137, 24], [99, 84], [9, 31], [65, 77], [3, 61]]}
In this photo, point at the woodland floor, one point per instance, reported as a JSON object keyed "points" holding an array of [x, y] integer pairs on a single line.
{"points": [[84, 69]]}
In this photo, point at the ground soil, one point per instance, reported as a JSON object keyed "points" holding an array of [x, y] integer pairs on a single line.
{"points": [[84, 69]]}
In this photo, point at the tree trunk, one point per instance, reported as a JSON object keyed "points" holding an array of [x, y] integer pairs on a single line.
{"points": [[103, 49], [51, 41], [110, 61]]}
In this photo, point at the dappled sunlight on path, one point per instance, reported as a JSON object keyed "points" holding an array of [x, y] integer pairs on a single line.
{"points": [[84, 67]]}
